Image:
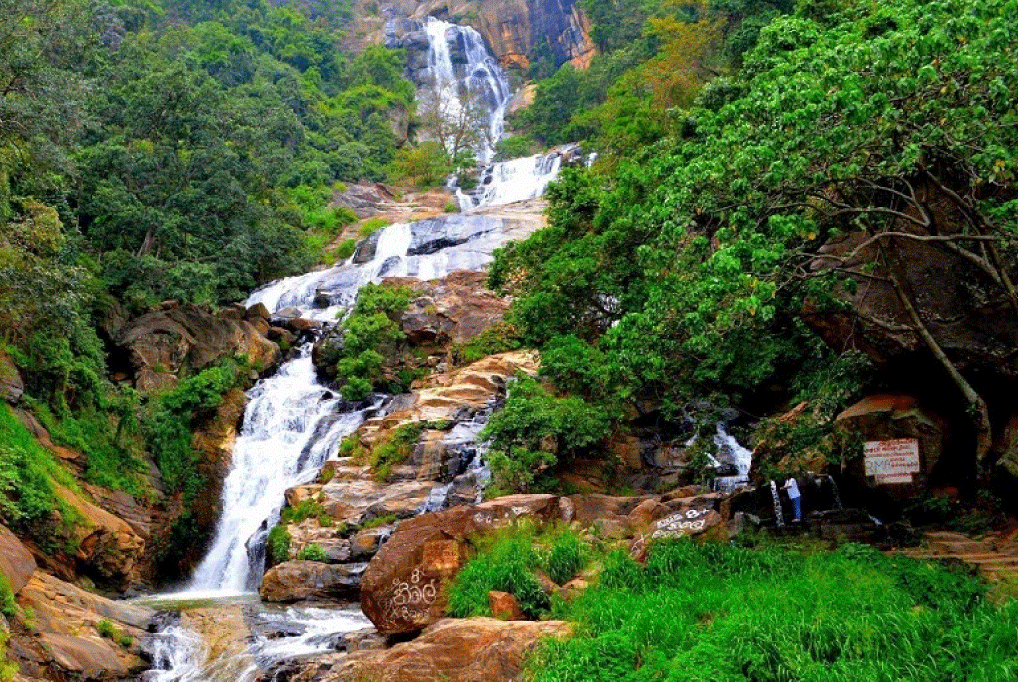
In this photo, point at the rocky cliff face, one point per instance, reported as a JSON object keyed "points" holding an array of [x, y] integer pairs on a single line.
{"points": [[511, 28]]}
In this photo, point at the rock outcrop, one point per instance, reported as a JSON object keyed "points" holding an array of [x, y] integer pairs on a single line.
{"points": [[897, 416], [64, 632], [161, 343], [311, 580], [512, 29], [405, 586], [454, 309], [450, 650], [16, 562]]}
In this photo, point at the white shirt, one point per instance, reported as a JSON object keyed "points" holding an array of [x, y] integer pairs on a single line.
{"points": [[792, 487]]}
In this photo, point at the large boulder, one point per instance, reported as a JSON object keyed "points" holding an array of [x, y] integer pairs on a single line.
{"points": [[302, 580], [69, 637], [455, 395], [891, 417], [405, 586], [108, 549], [161, 343], [454, 309], [16, 562], [354, 502], [969, 315], [451, 650]]}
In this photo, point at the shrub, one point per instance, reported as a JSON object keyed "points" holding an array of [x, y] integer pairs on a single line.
{"points": [[532, 418], [312, 552], [369, 333], [279, 544], [306, 509], [372, 225], [345, 249], [8, 606], [106, 629]]}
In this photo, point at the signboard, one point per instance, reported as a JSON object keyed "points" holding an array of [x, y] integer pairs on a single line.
{"points": [[892, 461]]}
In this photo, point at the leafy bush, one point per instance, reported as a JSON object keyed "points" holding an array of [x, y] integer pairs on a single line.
{"points": [[345, 249], [370, 332], [278, 544], [531, 419], [312, 552], [106, 629]]}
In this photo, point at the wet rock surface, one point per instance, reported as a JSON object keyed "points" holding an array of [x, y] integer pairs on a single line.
{"points": [[161, 343], [311, 580]]}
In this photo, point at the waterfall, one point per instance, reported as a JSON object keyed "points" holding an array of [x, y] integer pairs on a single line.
{"points": [[731, 452], [470, 89], [511, 181], [292, 423], [280, 445]]}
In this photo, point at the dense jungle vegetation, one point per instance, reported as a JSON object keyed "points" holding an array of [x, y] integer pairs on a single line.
{"points": [[680, 267], [153, 151]]}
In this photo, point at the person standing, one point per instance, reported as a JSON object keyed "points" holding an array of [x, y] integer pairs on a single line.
{"points": [[794, 497]]}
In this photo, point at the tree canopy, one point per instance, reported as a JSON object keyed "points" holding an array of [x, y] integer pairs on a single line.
{"points": [[689, 267]]}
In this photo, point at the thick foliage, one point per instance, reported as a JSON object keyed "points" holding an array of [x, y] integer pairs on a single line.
{"points": [[371, 333], [28, 478], [688, 267], [535, 428]]}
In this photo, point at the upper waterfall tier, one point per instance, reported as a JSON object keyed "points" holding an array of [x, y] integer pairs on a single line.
{"points": [[466, 86]]}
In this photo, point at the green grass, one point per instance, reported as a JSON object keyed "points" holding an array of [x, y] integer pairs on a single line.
{"points": [[506, 566], [723, 614], [372, 225], [383, 520]]}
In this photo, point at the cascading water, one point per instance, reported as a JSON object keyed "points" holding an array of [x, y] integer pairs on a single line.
{"points": [[731, 452], [292, 423], [280, 445], [474, 86], [510, 181], [779, 516]]}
